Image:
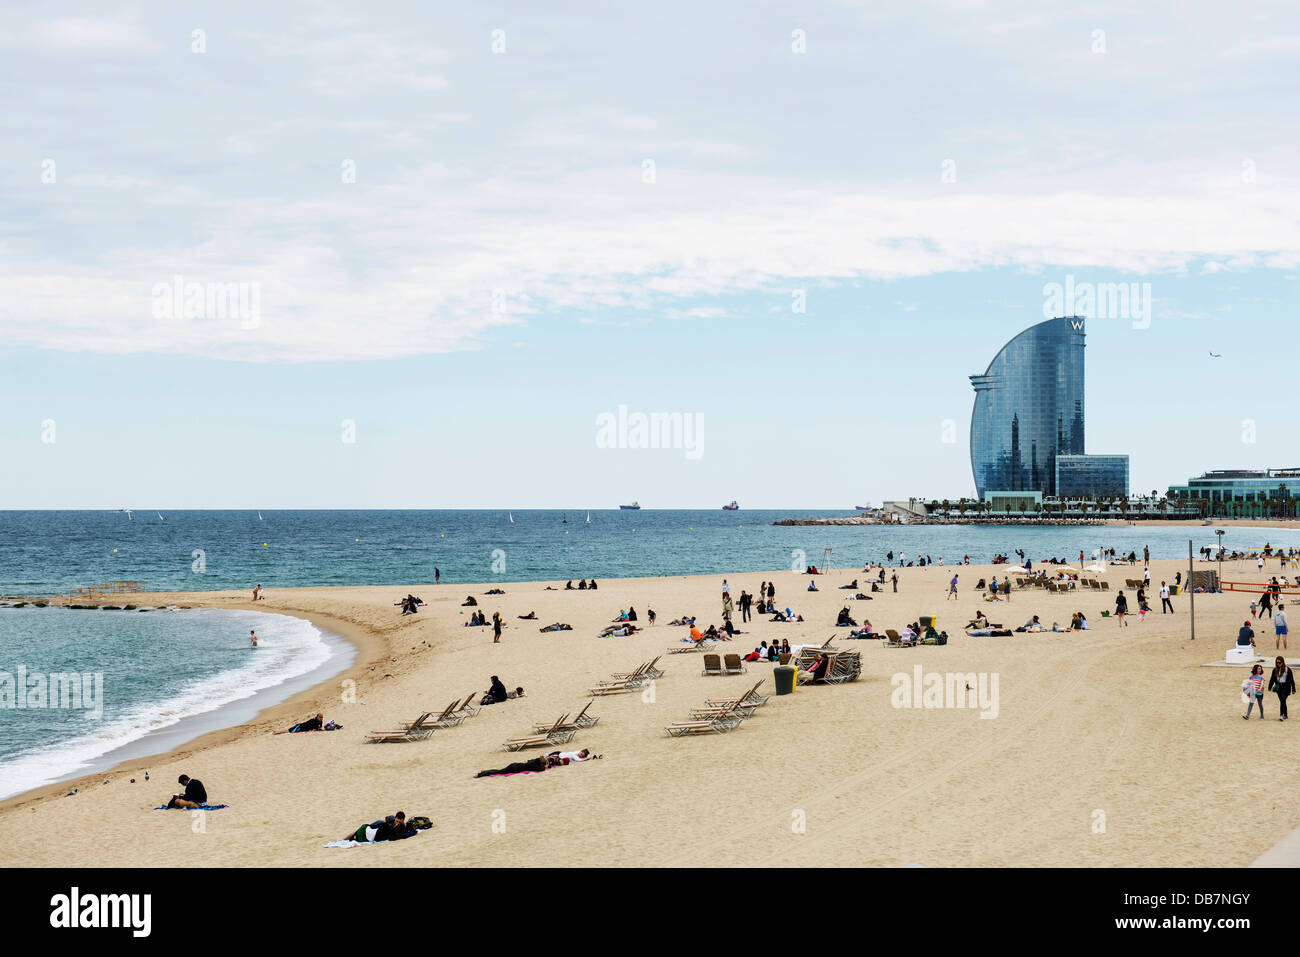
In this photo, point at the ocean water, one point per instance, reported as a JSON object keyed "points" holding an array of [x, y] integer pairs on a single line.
{"points": [[169, 676], [141, 673], [43, 553]]}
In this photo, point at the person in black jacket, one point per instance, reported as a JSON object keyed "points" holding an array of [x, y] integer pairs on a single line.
{"points": [[1121, 608], [195, 793], [1282, 680]]}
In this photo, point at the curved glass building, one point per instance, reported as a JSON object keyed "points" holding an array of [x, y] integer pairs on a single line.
{"points": [[1029, 409]]}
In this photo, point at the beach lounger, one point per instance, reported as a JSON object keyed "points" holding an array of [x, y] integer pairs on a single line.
{"points": [[749, 697], [733, 665], [712, 665], [688, 646], [892, 639], [718, 725], [417, 730], [450, 717], [468, 710], [555, 734], [583, 720]]}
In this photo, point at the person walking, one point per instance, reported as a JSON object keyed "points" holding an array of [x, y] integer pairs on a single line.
{"points": [[894, 579], [437, 575], [1279, 628], [496, 627], [1146, 555], [1266, 603], [952, 587], [1166, 606], [745, 601], [1282, 680], [1121, 608], [726, 589], [726, 608], [1253, 689]]}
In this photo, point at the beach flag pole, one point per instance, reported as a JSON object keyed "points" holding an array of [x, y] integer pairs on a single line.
{"points": [[1191, 592]]}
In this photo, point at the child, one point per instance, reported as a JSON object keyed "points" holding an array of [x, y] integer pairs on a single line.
{"points": [[1253, 688]]}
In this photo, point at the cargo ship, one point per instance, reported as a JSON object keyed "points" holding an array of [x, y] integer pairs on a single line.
{"points": [[732, 507], [634, 507]]}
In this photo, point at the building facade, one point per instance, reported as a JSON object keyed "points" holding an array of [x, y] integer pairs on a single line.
{"points": [[1029, 409], [1092, 476], [1241, 487]]}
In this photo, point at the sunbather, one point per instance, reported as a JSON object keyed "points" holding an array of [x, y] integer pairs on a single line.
{"points": [[531, 616], [519, 767], [311, 724], [562, 758], [391, 828]]}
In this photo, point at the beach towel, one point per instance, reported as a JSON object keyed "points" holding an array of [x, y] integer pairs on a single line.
{"points": [[351, 843], [201, 807]]}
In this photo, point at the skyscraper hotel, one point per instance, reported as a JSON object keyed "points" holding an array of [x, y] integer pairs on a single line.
{"points": [[1027, 428]]}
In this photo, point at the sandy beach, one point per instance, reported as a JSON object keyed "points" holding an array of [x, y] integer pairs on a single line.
{"points": [[1113, 747]]}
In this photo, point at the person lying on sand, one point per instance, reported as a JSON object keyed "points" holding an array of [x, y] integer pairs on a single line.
{"points": [[559, 759], [195, 793], [618, 631], [851, 585], [558, 626], [391, 828], [311, 724], [519, 767], [531, 616], [495, 591], [684, 620]]}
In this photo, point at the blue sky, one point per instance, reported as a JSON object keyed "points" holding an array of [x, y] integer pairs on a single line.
{"points": [[503, 268]]}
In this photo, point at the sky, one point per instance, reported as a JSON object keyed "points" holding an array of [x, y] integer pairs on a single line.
{"points": [[423, 251]]}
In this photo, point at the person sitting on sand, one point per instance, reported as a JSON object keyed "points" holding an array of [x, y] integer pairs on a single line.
{"points": [[812, 586], [908, 636], [696, 635], [391, 828], [311, 724], [622, 616], [531, 616], [469, 602], [844, 619], [631, 613], [582, 584], [758, 654], [195, 794], [519, 767], [592, 586], [1033, 624], [730, 629], [496, 692], [568, 586]]}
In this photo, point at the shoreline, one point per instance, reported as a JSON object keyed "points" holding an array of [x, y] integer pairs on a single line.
{"points": [[256, 710], [966, 790]]}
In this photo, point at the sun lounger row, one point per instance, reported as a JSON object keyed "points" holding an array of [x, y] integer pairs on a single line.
{"points": [[629, 682], [718, 716], [424, 726], [689, 646], [561, 732]]}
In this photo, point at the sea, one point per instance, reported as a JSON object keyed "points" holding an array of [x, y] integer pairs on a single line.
{"points": [[167, 676]]}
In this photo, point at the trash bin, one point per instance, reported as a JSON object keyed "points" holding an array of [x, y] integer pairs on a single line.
{"points": [[1173, 589], [783, 676]]}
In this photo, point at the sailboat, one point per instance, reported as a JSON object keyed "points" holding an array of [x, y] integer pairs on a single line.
{"points": [[511, 517], [128, 513], [259, 517], [160, 518], [588, 518]]}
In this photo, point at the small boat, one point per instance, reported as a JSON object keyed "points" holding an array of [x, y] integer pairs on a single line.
{"points": [[128, 513], [635, 506], [588, 518], [259, 517], [865, 508], [511, 517], [733, 507], [564, 519], [160, 518]]}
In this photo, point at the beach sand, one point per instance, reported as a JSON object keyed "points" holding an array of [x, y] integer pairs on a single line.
{"points": [[1113, 747]]}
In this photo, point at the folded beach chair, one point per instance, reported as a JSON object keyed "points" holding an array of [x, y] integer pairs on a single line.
{"points": [[555, 734], [581, 721], [733, 665], [624, 683], [784, 659], [712, 665], [417, 730], [644, 670]]}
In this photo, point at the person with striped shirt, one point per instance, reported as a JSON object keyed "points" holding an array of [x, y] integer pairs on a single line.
{"points": [[1254, 691]]}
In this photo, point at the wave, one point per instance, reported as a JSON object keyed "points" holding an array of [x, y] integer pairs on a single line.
{"points": [[291, 647]]}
